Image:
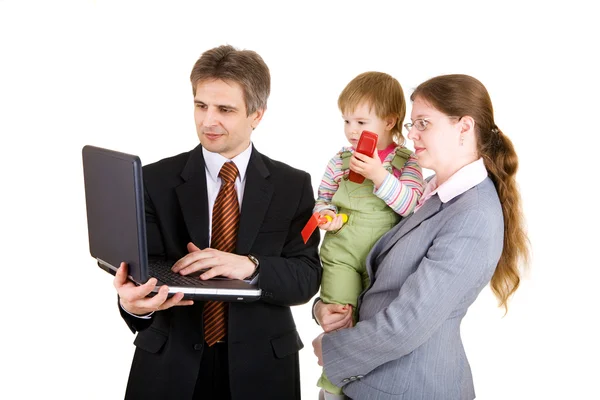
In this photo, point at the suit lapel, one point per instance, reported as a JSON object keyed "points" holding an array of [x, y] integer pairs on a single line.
{"points": [[257, 197], [429, 209], [193, 199]]}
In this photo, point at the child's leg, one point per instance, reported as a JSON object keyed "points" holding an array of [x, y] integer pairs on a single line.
{"points": [[331, 396], [340, 284], [342, 281]]}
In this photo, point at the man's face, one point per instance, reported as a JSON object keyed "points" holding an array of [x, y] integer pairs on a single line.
{"points": [[220, 115]]}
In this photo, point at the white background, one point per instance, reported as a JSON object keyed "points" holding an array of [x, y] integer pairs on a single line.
{"points": [[116, 74]]}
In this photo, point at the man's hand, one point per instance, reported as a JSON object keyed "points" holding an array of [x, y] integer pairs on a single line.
{"points": [[369, 167], [332, 317], [216, 262], [133, 298], [318, 348]]}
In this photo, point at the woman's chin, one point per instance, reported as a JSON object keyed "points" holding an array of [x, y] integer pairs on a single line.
{"points": [[423, 162]]}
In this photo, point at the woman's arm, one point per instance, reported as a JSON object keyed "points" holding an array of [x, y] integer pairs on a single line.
{"points": [[457, 266]]}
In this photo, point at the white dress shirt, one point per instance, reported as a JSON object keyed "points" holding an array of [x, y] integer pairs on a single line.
{"points": [[214, 162]]}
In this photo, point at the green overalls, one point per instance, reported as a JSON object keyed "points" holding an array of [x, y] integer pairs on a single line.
{"points": [[344, 252]]}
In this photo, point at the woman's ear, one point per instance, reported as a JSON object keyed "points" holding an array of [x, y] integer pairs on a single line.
{"points": [[467, 124]]}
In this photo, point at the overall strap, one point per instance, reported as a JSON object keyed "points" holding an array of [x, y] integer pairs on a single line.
{"points": [[400, 158], [346, 159]]}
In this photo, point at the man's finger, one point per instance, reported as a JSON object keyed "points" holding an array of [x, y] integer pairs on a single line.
{"points": [[120, 276], [211, 273], [188, 260], [168, 303], [192, 247], [159, 298], [176, 300], [139, 292]]}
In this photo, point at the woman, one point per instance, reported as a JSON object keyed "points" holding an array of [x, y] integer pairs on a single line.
{"points": [[466, 230]]}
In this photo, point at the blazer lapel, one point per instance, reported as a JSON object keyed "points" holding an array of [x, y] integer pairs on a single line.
{"points": [[429, 209], [193, 199], [257, 197]]}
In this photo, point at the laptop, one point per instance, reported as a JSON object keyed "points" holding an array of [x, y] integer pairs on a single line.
{"points": [[114, 197]]}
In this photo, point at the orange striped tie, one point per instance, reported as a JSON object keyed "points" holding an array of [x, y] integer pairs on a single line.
{"points": [[225, 221]]}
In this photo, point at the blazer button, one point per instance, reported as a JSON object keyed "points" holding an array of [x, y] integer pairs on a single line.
{"points": [[345, 380], [198, 346], [359, 376], [352, 378]]}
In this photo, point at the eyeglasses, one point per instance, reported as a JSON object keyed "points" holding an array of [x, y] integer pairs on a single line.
{"points": [[420, 124]]}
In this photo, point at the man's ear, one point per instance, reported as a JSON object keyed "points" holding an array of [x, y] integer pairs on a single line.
{"points": [[256, 117]]}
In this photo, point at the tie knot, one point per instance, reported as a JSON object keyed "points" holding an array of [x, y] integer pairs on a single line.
{"points": [[228, 172]]}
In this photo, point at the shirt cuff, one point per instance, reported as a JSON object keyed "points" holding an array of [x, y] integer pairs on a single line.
{"points": [[254, 280], [319, 208], [313, 310], [145, 316]]}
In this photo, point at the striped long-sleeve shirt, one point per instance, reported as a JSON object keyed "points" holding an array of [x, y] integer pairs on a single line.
{"points": [[400, 191]]}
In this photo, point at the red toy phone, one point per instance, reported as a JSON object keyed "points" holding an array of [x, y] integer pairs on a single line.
{"points": [[366, 145]]}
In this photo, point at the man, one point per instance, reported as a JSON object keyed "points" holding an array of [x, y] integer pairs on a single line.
{"points": [[253, 354]]}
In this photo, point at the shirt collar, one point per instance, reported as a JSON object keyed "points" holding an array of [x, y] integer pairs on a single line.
{"points": [[462, 180], [214, 162]]}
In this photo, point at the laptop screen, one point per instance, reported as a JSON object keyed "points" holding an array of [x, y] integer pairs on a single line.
{"points": [[112, 188]]}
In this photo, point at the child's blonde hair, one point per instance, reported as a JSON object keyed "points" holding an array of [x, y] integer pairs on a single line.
{"points": [[384, 94]]}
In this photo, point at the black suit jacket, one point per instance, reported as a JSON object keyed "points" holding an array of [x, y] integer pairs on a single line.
{"points": [[262, 337]]}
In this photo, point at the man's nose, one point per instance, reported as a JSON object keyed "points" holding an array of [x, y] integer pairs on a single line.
{"points": [[210, 117]]}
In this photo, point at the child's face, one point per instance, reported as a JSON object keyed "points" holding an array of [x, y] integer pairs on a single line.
{"points": [[364, 119]]}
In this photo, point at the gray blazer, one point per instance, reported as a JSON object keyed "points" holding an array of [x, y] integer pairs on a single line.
{"points": [[425, 273]]}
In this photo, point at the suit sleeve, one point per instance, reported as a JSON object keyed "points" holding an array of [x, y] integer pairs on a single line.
{"points": [[294, 277], [155, 248], [457, 265]]}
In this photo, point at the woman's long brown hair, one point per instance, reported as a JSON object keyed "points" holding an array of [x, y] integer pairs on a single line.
{"points": [[460, 95]]}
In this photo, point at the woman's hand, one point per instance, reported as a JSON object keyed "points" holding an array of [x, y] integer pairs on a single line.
{"points": [[318, 349], [332, 317]]}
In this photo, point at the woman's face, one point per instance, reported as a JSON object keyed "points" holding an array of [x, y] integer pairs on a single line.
{"points": [[436, 146]]}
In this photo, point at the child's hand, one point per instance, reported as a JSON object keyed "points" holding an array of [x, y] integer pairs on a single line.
{"points": [[335, 223], [369, 167]]}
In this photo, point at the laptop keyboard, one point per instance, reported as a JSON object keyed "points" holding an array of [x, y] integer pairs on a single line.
{"points": [[161, 270]]}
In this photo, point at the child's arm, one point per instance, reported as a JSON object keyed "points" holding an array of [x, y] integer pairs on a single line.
{"points": [[329, 185], [401, 194]]}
